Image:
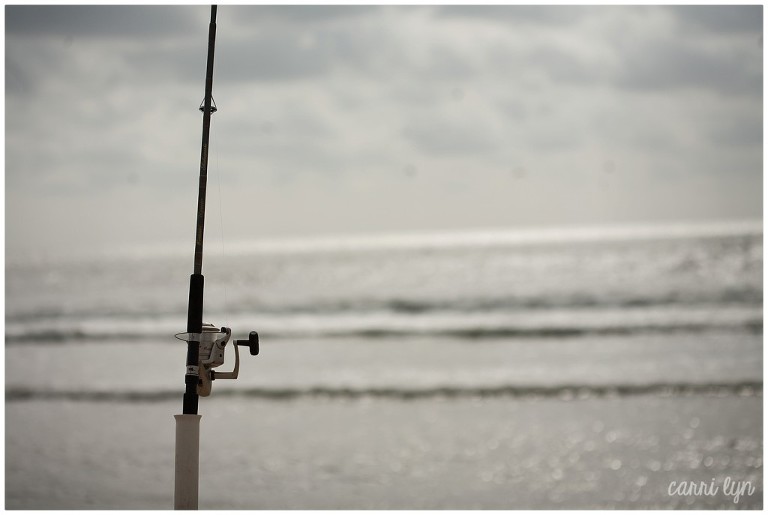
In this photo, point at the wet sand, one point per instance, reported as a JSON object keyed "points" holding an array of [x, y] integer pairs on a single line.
{"points": [[318, 453]]}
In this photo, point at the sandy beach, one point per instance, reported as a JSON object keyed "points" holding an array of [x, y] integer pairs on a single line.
{"points": [[318, 453]]}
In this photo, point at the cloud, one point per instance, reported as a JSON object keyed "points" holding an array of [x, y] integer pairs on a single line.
{"points": [[449, 136], [675, 63], [521, 14], [304, 14], [739, 131], [326, 114], [100, 21], [563, 65], [275, 57], [723, 19]]}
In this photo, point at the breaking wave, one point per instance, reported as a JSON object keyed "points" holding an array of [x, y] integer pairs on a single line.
{"points": [[467, 325], [562, 392]]}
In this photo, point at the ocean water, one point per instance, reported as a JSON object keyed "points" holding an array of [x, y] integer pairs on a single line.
{"points": [[460, 289], [669, 317]]}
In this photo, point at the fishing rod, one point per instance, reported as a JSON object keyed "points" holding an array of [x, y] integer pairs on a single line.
{"points": [[206, 343]]}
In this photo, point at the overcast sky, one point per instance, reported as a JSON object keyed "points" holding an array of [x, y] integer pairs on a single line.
{"points": [[377, 119]]}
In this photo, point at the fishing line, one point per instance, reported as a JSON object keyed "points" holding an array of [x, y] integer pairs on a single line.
{"points": [[221, 229]]}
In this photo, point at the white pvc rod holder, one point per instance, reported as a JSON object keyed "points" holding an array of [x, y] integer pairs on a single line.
{"points": [[187, 476]]}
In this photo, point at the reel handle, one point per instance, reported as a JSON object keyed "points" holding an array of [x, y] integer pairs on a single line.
{"points": [[252, 343]]}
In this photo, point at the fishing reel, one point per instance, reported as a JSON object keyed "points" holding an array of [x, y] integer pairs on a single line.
{"points": [[212, 344]]}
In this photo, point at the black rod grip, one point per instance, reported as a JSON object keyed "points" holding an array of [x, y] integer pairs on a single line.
{"points": [[194, 325], [195, 309]]}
